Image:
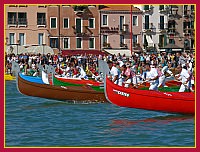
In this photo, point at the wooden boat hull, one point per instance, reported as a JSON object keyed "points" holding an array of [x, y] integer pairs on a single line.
{"points": [[82, 93], [173, 102]]}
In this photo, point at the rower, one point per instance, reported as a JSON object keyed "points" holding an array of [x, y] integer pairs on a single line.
{"points": [[127, 75], [183, 76], [163, 74], [114, 72], [152, 77]]}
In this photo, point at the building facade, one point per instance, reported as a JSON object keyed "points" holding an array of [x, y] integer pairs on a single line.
{"points": [[25, 25], [121, 28], [168, 27], [114, 28], [73, 27]]}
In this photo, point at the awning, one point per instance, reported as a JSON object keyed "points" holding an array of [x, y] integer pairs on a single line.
{"points": [[127, 52], [39, 49], [150, 41], [83, 52]]}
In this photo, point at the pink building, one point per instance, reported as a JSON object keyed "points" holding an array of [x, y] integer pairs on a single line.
{"points": [[121, 29]]}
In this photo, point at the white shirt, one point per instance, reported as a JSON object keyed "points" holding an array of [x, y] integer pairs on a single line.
{"points": [[184, 75], [82, 72], [114, 72], [165, 69], [152, 74]]}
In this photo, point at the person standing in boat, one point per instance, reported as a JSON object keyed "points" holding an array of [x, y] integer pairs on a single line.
{"points": [[152, 77], [183, 76], [163, 74], [114, 72]]}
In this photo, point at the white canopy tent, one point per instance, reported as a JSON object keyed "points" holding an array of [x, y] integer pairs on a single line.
{"points": [[127, 52], [29, 49]]}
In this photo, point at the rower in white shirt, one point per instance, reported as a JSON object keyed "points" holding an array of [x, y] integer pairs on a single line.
{"points": [[114, 72], [152, 77], [162, 77], [184, 77]]}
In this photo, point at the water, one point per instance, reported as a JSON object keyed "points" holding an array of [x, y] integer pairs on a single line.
{"points": [[32, 121]]}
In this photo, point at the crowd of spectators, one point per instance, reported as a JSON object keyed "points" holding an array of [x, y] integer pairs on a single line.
{"points": [[89, 63]]}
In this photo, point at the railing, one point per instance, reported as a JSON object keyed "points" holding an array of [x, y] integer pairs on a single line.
{"points": [[148, 26], [106, 45], [41, 21], [162, 26], [123, 45]]}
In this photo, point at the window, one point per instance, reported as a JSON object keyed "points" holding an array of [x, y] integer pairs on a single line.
{"points": [[121, 22], [91, 43], [66, 43], [78, 25], [121, 39], [187, 44], [135, 21], [161, 22], [105, 38], [78, 43], [161, 7], [146, 7], [66, 23], [53, 22], [192, 24], [192, 7], [54, 42], [41, 18], [146, 24], [21, 39], [161, 40], [12, 18], [22, 20], [91, 23], [105, 20], [135, 40], [171, 41], [12, 38], [40, 38]]}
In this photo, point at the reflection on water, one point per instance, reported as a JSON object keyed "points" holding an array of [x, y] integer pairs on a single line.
{"points": [[119, 124], [55, 103]]}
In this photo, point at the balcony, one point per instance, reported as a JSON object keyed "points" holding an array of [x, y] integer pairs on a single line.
{"points": [[86, 29], [149, 28], [162, 26], [148, 9], [84, 32], [163, 9], [186, 35], [106, 45], [79, 9], [125, 29], [136, 45], [110, 30], [22, 21], [122, 45], [41, 21]]}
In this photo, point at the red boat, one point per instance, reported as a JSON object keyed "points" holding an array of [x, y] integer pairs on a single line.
{"points": [[172, 102]]}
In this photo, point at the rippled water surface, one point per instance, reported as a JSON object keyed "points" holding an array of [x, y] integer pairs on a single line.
{"points": [[32, 121]]}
